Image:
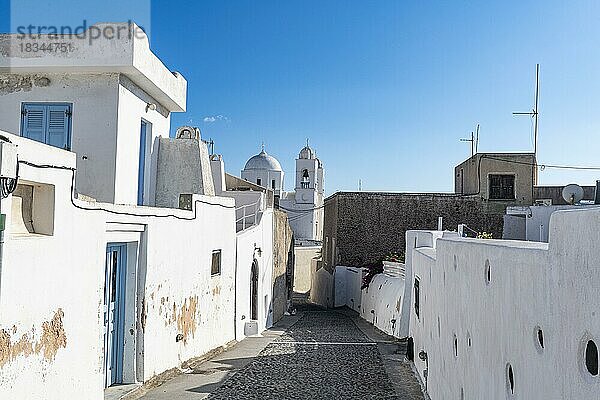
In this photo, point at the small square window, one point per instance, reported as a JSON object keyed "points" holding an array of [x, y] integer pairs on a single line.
{"points": [[502, 187], [215, 268]]}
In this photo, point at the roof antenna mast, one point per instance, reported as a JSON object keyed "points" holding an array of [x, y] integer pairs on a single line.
{"points": [[472, 140], [534, 113]]}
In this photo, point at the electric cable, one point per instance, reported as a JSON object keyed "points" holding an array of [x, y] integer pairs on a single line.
{"points": [[72, 169]]}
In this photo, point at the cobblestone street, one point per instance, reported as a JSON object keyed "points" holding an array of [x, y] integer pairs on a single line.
{"points": [[324, 355]]}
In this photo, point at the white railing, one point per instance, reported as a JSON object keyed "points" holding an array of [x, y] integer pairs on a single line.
{"points": [[248, 212]]}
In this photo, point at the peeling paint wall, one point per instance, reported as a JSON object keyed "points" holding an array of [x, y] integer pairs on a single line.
{"points": [[52, 287]]}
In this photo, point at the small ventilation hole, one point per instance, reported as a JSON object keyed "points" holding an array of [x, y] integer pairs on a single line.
{"points": [[540, 337], [455, 346], [591, 357], [511, 379]]}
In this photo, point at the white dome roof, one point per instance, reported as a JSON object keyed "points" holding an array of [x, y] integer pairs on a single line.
{"points": [[307, 153], [263, 161]]}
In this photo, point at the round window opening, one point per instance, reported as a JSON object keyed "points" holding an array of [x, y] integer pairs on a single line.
{"points": [[591, 357], [510, 379], [488, 274]]}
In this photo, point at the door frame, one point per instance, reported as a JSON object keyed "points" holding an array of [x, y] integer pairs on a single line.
{"points": [[254, 274], [114, 332]]}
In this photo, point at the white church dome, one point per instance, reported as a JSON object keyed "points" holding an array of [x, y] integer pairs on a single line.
{"points": [[307, 153], [263, 161]]}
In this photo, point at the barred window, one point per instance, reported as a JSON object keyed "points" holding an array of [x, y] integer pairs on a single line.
{"points": [[502, 187]]}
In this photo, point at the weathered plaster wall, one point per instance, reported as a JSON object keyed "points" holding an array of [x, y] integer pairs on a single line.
{"points": [[178, 171], [51, 288], [108, 109], [283, 264], [322, 285], [474, 325], [473, 174], [94, 121], [304, 260], [363, 227]]}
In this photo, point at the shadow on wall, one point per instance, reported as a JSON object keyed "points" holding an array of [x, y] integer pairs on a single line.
{"points": [[322, 286]]}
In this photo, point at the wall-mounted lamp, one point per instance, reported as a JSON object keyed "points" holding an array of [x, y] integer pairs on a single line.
{"points": [[423, 355], [150, 106], [258, 250]]}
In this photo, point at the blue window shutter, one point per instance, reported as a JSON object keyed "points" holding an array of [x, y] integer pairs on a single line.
{"points": [[34, 122], [58, 119]]}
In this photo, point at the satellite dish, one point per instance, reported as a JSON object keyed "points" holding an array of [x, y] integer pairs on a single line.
{"points": [[572, 193]]}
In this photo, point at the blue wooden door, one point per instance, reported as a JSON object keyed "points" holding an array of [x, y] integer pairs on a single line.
{"points": [[142, 163], [114, 312]]}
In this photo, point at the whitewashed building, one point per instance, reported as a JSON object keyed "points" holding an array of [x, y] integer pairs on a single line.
{"points": [[97, 285], [503, 319], [108, 100], [305, 204]]}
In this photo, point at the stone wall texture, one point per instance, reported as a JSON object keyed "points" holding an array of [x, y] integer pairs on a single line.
{"points": [[362, 227], [283, 263]]}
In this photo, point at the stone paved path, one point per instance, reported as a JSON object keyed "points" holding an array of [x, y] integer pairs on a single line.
{"points": [[324, 355]]}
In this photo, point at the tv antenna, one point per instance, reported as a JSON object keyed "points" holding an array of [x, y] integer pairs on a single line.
{"points": [[534, 113], [474, 141]]}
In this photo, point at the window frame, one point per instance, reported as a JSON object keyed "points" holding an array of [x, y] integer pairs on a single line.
{"points": [[217, 271], [69, 128], [502, 186]]}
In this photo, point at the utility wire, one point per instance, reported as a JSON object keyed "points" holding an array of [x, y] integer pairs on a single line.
{"points": [[72, 169]]}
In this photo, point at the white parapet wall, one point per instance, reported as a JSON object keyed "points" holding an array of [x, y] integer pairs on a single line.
{"points": [[500, 319], [380, 303], [52, 283], [348, 281]]}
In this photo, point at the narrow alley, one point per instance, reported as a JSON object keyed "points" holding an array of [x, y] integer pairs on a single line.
{"points": [[316, 354]]}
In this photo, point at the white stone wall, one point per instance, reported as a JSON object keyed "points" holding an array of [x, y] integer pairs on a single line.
{"points": [[494, 321], [258, 236], [380, 304], [51, 287]]}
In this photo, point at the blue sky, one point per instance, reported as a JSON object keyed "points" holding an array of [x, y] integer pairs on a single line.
{"points": [[385, 89]]}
